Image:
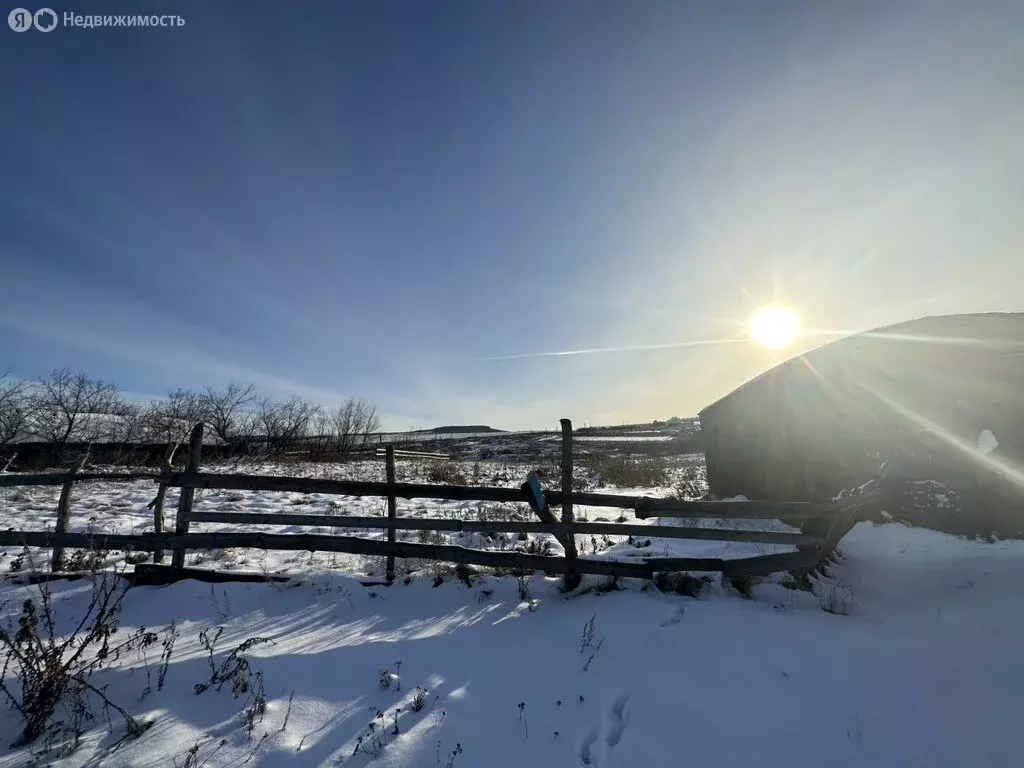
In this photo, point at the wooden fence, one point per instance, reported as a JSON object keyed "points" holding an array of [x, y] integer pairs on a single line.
{"points": [[817, 528]]}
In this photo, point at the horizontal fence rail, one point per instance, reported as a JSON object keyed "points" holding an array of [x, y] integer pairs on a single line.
{"points": [[644, 569], [381, 452], [303, 542], [646, 506], [13, 481], [511, 526]]}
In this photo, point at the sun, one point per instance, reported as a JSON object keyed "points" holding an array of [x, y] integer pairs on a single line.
{"points": [[774, 325]]}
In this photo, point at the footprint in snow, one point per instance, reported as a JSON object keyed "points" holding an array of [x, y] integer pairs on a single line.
{"points": [[617, 720], [586, 755], [675, 618]]}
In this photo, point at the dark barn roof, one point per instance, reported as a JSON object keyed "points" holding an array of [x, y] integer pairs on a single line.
{"points": [[929, 346], [822, 420]]}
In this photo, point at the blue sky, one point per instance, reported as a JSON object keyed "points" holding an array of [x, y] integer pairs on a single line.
{"points": [[373, 198]]}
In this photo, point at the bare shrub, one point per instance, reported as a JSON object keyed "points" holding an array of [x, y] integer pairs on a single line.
{"points": [[256, 704], [835, 599], [797, 580], [681, 583], [587, 645], [350, 424], [418, 699], [192, 757], [523, 586], [628, 472], [235, 667], [447, 472], [743, 583], [284, 423], [54, 670]]}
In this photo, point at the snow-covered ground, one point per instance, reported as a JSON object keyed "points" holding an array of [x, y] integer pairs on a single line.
{"points": [[925, 671]]}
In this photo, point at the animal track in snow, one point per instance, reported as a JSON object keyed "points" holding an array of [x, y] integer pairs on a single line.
{"points": [[618, 719], [586, 756], [675, 618]]}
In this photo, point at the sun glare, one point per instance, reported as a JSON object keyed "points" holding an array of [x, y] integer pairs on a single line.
{"points": [[774, 326]]}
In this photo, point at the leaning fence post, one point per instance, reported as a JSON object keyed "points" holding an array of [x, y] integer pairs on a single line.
{"points": [[157, 504], [572, 579], [64, 512], [389, 465], [195, 450]]}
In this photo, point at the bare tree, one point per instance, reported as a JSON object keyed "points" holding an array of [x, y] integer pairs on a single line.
{"points": [[15, 409], [283, 423], [71, 407], [225, 410], [169, 420], [351, 423], [128, 423]]}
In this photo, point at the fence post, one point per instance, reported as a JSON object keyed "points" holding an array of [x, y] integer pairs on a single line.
{"points": [[572, 579], [195, 450], [157, 505], [389, 465], [64, 512]]}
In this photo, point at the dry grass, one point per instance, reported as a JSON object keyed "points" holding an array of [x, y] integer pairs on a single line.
{"points": [[627, 472]]}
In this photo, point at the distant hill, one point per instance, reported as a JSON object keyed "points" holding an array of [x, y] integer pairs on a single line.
{"points": [[460, 428]]}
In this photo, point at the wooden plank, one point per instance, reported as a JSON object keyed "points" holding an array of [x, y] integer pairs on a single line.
{"points": [[195, 450], [389, 469], [759, 564], [645, 506], [766, 564], [64, 511], [684, 563], [572, 580], [772, 510], [555, 528], [50, 478], [340, 487], [42, 577], [320, 543], [413, 454], [156, 575]]}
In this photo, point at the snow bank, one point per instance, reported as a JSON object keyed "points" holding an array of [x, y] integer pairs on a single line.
{"points": [[925, 671]]}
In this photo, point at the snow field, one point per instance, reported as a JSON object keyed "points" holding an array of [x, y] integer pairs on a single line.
{"points": [[925, 670]]}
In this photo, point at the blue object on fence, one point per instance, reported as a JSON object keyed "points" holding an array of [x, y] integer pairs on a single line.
{"points": [[537, 501]]}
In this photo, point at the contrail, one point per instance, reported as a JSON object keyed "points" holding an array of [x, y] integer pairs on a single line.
{"points": [[603, 350]]}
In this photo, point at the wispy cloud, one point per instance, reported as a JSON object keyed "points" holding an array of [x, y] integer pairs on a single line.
{"points": [[607, 350]]}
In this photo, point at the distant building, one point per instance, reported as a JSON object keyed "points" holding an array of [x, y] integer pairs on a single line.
{"points": [[918, 394]]}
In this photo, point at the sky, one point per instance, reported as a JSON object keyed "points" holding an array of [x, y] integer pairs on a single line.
{"points": [[414, 202]]}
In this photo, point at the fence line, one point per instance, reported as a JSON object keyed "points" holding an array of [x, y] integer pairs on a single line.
{"points": [[822, 525]]}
